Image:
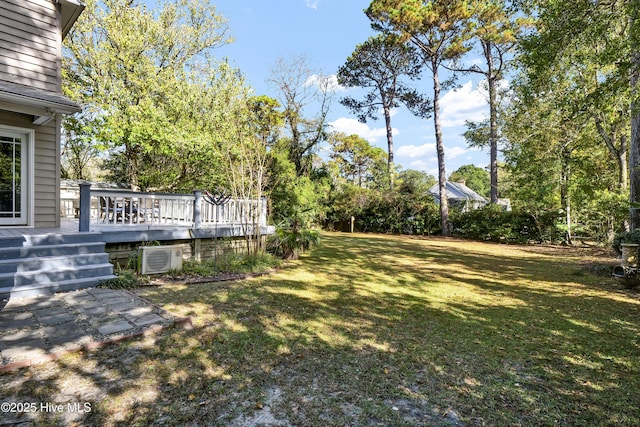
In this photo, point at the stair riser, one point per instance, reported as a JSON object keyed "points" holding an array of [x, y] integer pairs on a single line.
{"points": [[28, 292], [48, 251], [40, 263], [49, 239], [52, 277]]}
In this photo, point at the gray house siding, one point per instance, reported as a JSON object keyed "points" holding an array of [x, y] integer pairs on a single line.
{"points": [[30, 43], [46, 159]]}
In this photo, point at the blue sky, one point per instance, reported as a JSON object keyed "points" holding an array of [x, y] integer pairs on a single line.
{"points": [[326, 32]]}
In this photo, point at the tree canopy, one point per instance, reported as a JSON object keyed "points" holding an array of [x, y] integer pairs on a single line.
{"points": [[440, 31], [139, 72], [380, 64], [163, 113]]}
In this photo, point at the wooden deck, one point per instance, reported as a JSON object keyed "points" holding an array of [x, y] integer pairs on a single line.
{"points": [[125, 233], [67, 226]]}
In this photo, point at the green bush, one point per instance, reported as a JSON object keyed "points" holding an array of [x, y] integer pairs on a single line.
{"points": [[229, 263], [601, 216], [288, 242], [625, 237], [125, 279], [378, 212], [495, 224]]}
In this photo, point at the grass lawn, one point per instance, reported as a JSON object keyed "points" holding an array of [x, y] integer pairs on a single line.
{"points": [[374, 330]]}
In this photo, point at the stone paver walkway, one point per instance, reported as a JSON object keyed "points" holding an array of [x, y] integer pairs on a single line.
{"points": [[34, 330]]}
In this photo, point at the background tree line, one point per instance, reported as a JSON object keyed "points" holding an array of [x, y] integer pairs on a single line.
{"points": [[162, 113]]}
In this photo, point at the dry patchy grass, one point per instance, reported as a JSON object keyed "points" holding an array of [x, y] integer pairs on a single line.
{"points": [[374, 330]]}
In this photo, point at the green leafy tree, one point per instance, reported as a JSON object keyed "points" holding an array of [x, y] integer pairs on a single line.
{"points": [[203, 112], [600, 39], [246, 159], [415, 183], [474, 177], [296, 201], [588, 62], [125, 63], [496, 29], [552, 153], [78, 148], [633, 14], [380, 64], [355, 157], [441, 31], [267, 118]]}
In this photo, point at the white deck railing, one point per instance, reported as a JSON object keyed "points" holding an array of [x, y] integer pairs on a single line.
{"points": [[127, 208]]}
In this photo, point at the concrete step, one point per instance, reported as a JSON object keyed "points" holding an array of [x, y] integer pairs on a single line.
{"points": [[66, 249], [48, 239], [52, 263], [53, 276], [46, 263], [51, 288]]}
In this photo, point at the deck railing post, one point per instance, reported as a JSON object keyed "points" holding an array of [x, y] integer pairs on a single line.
{"points": [[263, 211], [197, 214], [85, 206]]}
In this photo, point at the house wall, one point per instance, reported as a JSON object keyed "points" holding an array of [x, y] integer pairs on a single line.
{"points": [[46, 159], [30, 43]]}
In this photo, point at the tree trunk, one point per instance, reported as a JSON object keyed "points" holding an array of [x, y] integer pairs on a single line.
{"points": [[442, 178], [634, 149], [565, 190], [619, 154], [134, 168], [390, 164], [493, 123], [622, 163], [634, 168]]}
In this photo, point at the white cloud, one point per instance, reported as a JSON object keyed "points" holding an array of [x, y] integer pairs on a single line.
{"points": [[429, 149], [429, 166], [454, 152], [425, 158], [330, 83], [353, 126], [464, 103], [422, 165], [312, 4], [418, 164], [469, 103], [413, 151]]}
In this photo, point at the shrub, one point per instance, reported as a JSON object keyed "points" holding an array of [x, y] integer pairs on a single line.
{"points": [[493, 223], [289, 242], [378, 212], [228, 263], [125, 279], [625, 237]]}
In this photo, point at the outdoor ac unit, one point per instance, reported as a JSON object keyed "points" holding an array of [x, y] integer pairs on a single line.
{"points": [[159, 259]]}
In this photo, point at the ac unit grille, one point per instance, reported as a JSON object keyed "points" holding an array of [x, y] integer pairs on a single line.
{"points": [[160, 259]]}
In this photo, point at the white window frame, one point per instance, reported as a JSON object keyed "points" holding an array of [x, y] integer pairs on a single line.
{"points": [[27, 173]]}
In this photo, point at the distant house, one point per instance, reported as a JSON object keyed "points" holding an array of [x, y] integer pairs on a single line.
{"points": [[31, 105], [459, 195]]}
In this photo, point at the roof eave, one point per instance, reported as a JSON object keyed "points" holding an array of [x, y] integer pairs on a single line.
{"points": [[52, 106], [70, 11]]}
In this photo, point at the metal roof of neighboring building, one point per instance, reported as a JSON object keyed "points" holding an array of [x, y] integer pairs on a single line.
{"points": [[457, 191]]}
